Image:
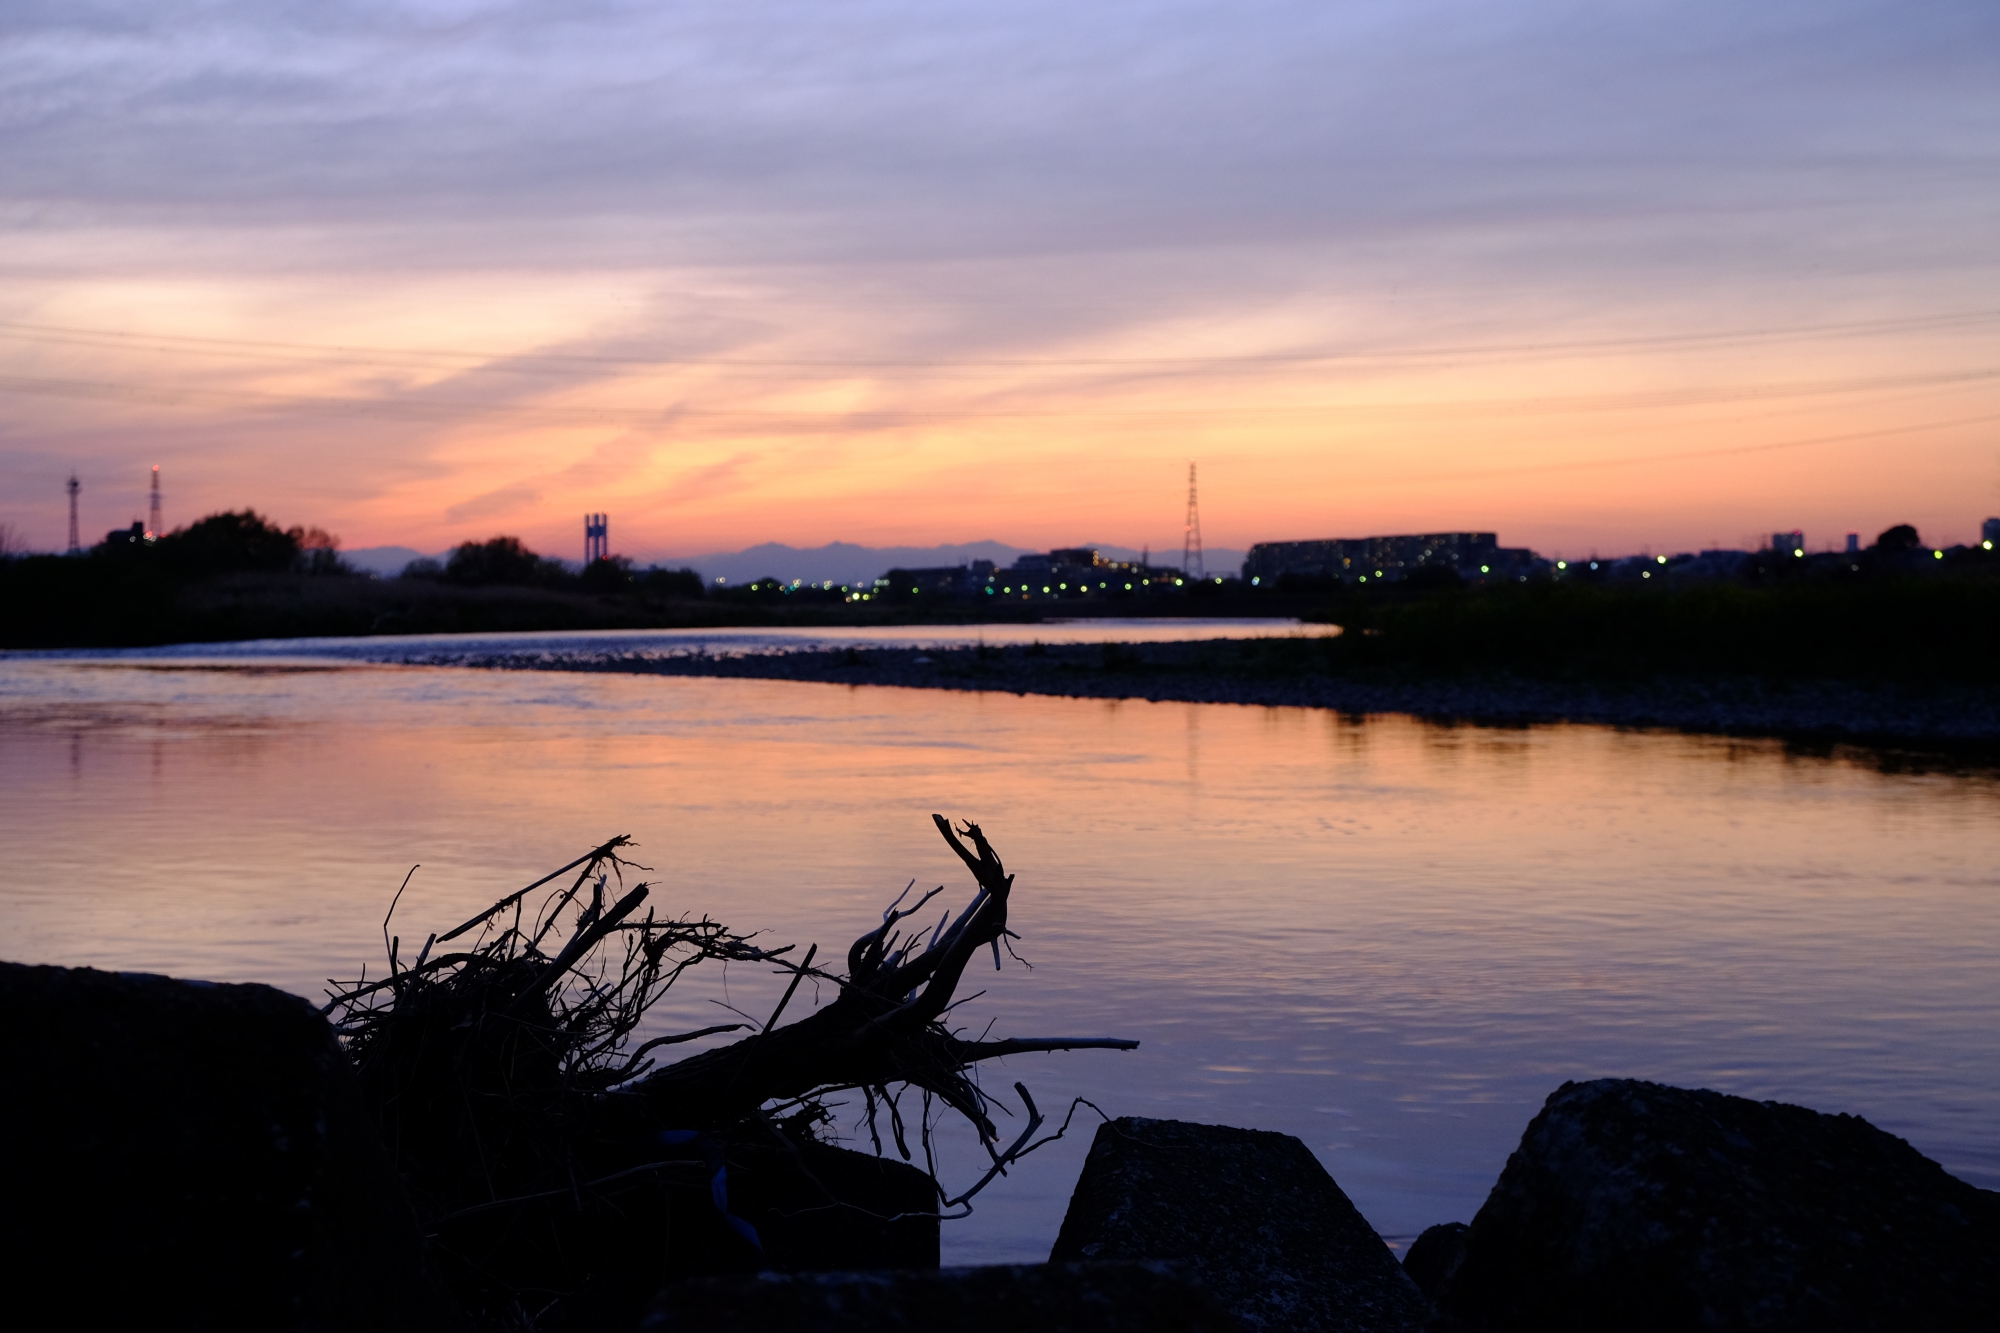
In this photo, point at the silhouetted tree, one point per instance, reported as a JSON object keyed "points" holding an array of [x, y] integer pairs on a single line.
{"points": [[1902, 537], [231, 543], [501, 560], [610, 574], [672, 583], [319, 553]]}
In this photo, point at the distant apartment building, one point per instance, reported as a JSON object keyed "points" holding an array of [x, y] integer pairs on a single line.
{"points": [[1989, 534], [942, 581], [1352, 559], [1066, 572], [1789, 543], [1080, 571]]}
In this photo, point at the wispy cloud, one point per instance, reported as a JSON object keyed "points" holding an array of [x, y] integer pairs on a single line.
{"points": [[502, 503], [769, 256]]}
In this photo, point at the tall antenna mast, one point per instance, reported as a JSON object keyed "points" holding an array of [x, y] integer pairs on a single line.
{"points": [[1191, 565], [75, 538], [153, 508]]}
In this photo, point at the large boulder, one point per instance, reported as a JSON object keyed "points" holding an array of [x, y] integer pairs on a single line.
{"points": [[1635, 1206], [1249, 1214], [190, 1155], [1433, 1258], [813, 1207], [1044, 1298], [718, 1208]]}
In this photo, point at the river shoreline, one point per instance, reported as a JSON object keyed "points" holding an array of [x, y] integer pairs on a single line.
{"points": [[1944, 718]]}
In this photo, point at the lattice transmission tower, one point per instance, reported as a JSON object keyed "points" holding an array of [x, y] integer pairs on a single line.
{"points": [[153, 508], [75, 537], [1191, 566]]}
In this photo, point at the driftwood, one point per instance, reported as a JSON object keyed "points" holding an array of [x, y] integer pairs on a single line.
{"points": [[501, 1074], [884, 1027]]}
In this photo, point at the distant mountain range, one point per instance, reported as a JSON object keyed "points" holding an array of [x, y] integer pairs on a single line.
{"points": [[837, 562], [387, 561]]}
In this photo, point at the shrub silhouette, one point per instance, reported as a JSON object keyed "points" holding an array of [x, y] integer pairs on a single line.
{"points": [[501, 560], [1902, 537]]}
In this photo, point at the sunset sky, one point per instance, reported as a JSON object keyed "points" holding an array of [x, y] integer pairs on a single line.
{"points": [[1610, 276]]}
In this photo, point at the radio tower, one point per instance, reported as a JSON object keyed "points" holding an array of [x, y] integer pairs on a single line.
{"points": [[1191, 566], [153, 508], [75, 538]]}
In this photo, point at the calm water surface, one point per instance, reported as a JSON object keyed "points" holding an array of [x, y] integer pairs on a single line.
{"points": [[1388, 938], [719, 642]]}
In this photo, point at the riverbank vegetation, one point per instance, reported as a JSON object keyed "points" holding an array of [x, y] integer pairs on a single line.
{"points": [[1903, 628], [239, 575], [1895, 613], [1901, 659]]}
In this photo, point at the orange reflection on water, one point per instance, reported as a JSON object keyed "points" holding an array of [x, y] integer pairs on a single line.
{"points": [[1389, 938]]}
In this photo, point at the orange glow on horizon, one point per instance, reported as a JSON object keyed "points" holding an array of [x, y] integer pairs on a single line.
{"points": [[530, 405]]}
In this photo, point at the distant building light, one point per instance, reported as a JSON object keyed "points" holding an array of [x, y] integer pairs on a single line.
{"points": [[1562, 564], [1177, 583], [1938, 554], [1661, 559], [1645, 573], [1482, 569], [1257, 579], [1593, 564], [1799, 553], [1986, 546], [1128, 587]]}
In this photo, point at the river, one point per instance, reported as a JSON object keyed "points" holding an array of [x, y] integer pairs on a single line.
{"points": [[1392, 939]]}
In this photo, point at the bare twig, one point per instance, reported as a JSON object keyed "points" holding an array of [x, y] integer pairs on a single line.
{"points": [[512, 899]]}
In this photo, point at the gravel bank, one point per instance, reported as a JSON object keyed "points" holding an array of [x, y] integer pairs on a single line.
{"points": [[1238, 671]]}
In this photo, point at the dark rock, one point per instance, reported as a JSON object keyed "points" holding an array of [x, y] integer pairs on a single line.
{"points": [[1635, 1206], [823, 1209], [1434, 1257], [190, 1155], [595, 1261], [1029, 1298], [1251, 1215]]}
